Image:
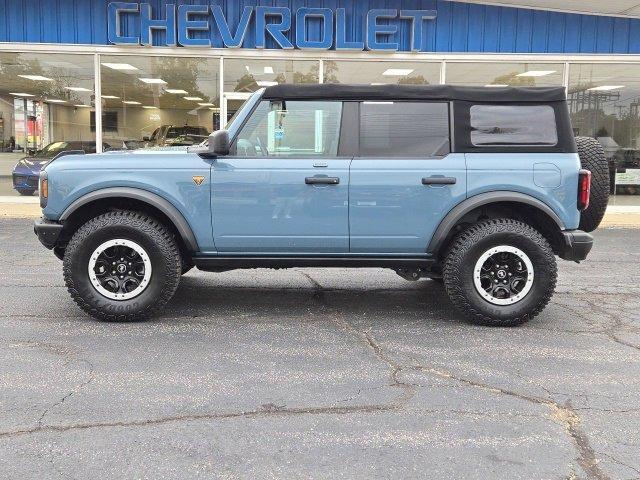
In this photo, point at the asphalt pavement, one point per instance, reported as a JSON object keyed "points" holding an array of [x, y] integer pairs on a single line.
{"points": [[312, 373]]}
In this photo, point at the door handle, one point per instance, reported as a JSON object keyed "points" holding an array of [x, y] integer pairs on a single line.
{"points": [[322, 180], [439, 180]]}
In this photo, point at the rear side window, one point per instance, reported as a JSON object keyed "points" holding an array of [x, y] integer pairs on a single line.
{"points": [[508, 125], [404, 129]]}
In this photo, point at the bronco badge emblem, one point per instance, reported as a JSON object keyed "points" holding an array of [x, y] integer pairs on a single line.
{"points": [[198, 179]]}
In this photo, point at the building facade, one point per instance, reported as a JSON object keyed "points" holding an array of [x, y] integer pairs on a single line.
{"points": [[133, 74]]}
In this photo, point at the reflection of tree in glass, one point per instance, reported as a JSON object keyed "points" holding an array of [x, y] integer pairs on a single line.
{"points": [[513, 80], [413, 80], [183, 73], [14, 64], [331, 72]]}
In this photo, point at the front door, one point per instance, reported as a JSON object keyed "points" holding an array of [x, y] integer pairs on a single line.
{"points": [[284, 188], [404, 180]]}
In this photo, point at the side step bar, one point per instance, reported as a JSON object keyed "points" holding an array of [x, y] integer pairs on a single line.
{"points": [[220, 263]]}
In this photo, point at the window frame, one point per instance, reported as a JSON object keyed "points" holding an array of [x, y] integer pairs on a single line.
{"points": [[358, 131]]}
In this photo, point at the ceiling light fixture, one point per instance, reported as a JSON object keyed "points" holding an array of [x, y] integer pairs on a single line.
{"points": [[397, 72], [195, 99], [176, 91], [266, 83], [55, 100], [206, 104], [112, 97], [536, 73], [22, 94], [152, 80], [605, 88], [149, 107], [79, 89], [82, 106], [497, 85], [131, 102], [37, 78], [119, 66]]}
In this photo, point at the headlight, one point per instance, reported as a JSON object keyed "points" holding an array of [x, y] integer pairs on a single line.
{"points": [[43, 189]]}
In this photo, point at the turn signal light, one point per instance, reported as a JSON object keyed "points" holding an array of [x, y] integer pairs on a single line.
{"points": [[43, 190], [584, 189]]}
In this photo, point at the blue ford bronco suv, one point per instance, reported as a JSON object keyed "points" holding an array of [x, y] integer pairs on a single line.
{"points": [[477, 188]]}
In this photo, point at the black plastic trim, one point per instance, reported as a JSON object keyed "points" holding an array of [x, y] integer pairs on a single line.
{"points": [[578, 244], [460, 210], [47, 231], [234, 262], [145, 196]]}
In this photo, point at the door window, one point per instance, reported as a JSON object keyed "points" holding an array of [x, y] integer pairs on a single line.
{"points": [[291, 128], [404, 129]]}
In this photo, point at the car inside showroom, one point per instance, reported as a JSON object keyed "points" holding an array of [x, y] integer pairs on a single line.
{"points": [[136, 75]]}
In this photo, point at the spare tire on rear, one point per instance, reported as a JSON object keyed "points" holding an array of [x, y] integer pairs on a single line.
{"points": [[592, 158]]}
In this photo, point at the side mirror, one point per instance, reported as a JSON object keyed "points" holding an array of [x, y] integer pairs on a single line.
{"points": [[219, 142]]}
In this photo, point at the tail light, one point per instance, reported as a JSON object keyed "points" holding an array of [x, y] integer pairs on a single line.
{"points": [[584, 189]]}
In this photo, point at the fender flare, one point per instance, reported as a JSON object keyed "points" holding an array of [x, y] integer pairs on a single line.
{"points": [[172, 213], [471, 203]]}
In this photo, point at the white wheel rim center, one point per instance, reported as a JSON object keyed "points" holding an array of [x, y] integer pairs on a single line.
{"points": [[120, 269], [502, 275]]}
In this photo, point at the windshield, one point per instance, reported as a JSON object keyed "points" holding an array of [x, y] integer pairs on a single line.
{"points": [[51, 150], [179, 131]]}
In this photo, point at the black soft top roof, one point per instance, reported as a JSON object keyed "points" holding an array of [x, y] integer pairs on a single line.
{"points": [[414, 92]]}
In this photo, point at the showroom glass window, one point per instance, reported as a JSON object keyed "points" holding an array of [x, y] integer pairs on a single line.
{"points": [[604, 103], [291, 128], [381, 73], [499, 74], [404, 129], [45, 98], [152, 101]]}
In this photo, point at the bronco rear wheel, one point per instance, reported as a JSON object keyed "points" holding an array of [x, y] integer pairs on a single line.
{"points": [[500, 272], [593, 159], [122, 266]]}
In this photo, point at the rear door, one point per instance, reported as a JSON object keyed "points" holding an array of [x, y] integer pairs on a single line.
{"points": [[404, 180]]}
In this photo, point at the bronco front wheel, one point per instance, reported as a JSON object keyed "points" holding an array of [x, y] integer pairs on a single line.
{"points": [[122, 266], [500, 272]]}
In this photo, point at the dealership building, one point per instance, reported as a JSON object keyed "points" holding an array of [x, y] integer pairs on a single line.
{"points": [[116, 73]]}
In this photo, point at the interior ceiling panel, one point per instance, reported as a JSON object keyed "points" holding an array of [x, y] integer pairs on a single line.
{"points": [[624, 8]]}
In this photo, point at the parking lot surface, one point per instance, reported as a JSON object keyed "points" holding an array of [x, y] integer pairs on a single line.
{"points": [[310, 373]]}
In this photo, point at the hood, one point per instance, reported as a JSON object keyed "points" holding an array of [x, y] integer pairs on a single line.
{"points": [[34, 163]]}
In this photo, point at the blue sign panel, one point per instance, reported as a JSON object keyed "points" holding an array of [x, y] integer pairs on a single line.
{"points": [[193, 22], [390, 25]]}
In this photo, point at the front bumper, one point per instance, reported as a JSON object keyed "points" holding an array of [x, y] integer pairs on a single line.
{"points": [[577, 245], [47, 231], [25, 181]]}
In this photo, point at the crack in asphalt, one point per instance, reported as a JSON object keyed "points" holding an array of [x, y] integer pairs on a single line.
{"points": [[562, 414], [80, 386]]}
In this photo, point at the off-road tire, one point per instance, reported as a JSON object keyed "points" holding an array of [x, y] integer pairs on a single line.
{"points": [[468, 247], [26, 193], [146, 231], [592, 158]]}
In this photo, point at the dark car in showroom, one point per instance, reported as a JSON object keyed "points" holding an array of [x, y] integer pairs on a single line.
{"points": [[27, 171], [176, 136]]}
